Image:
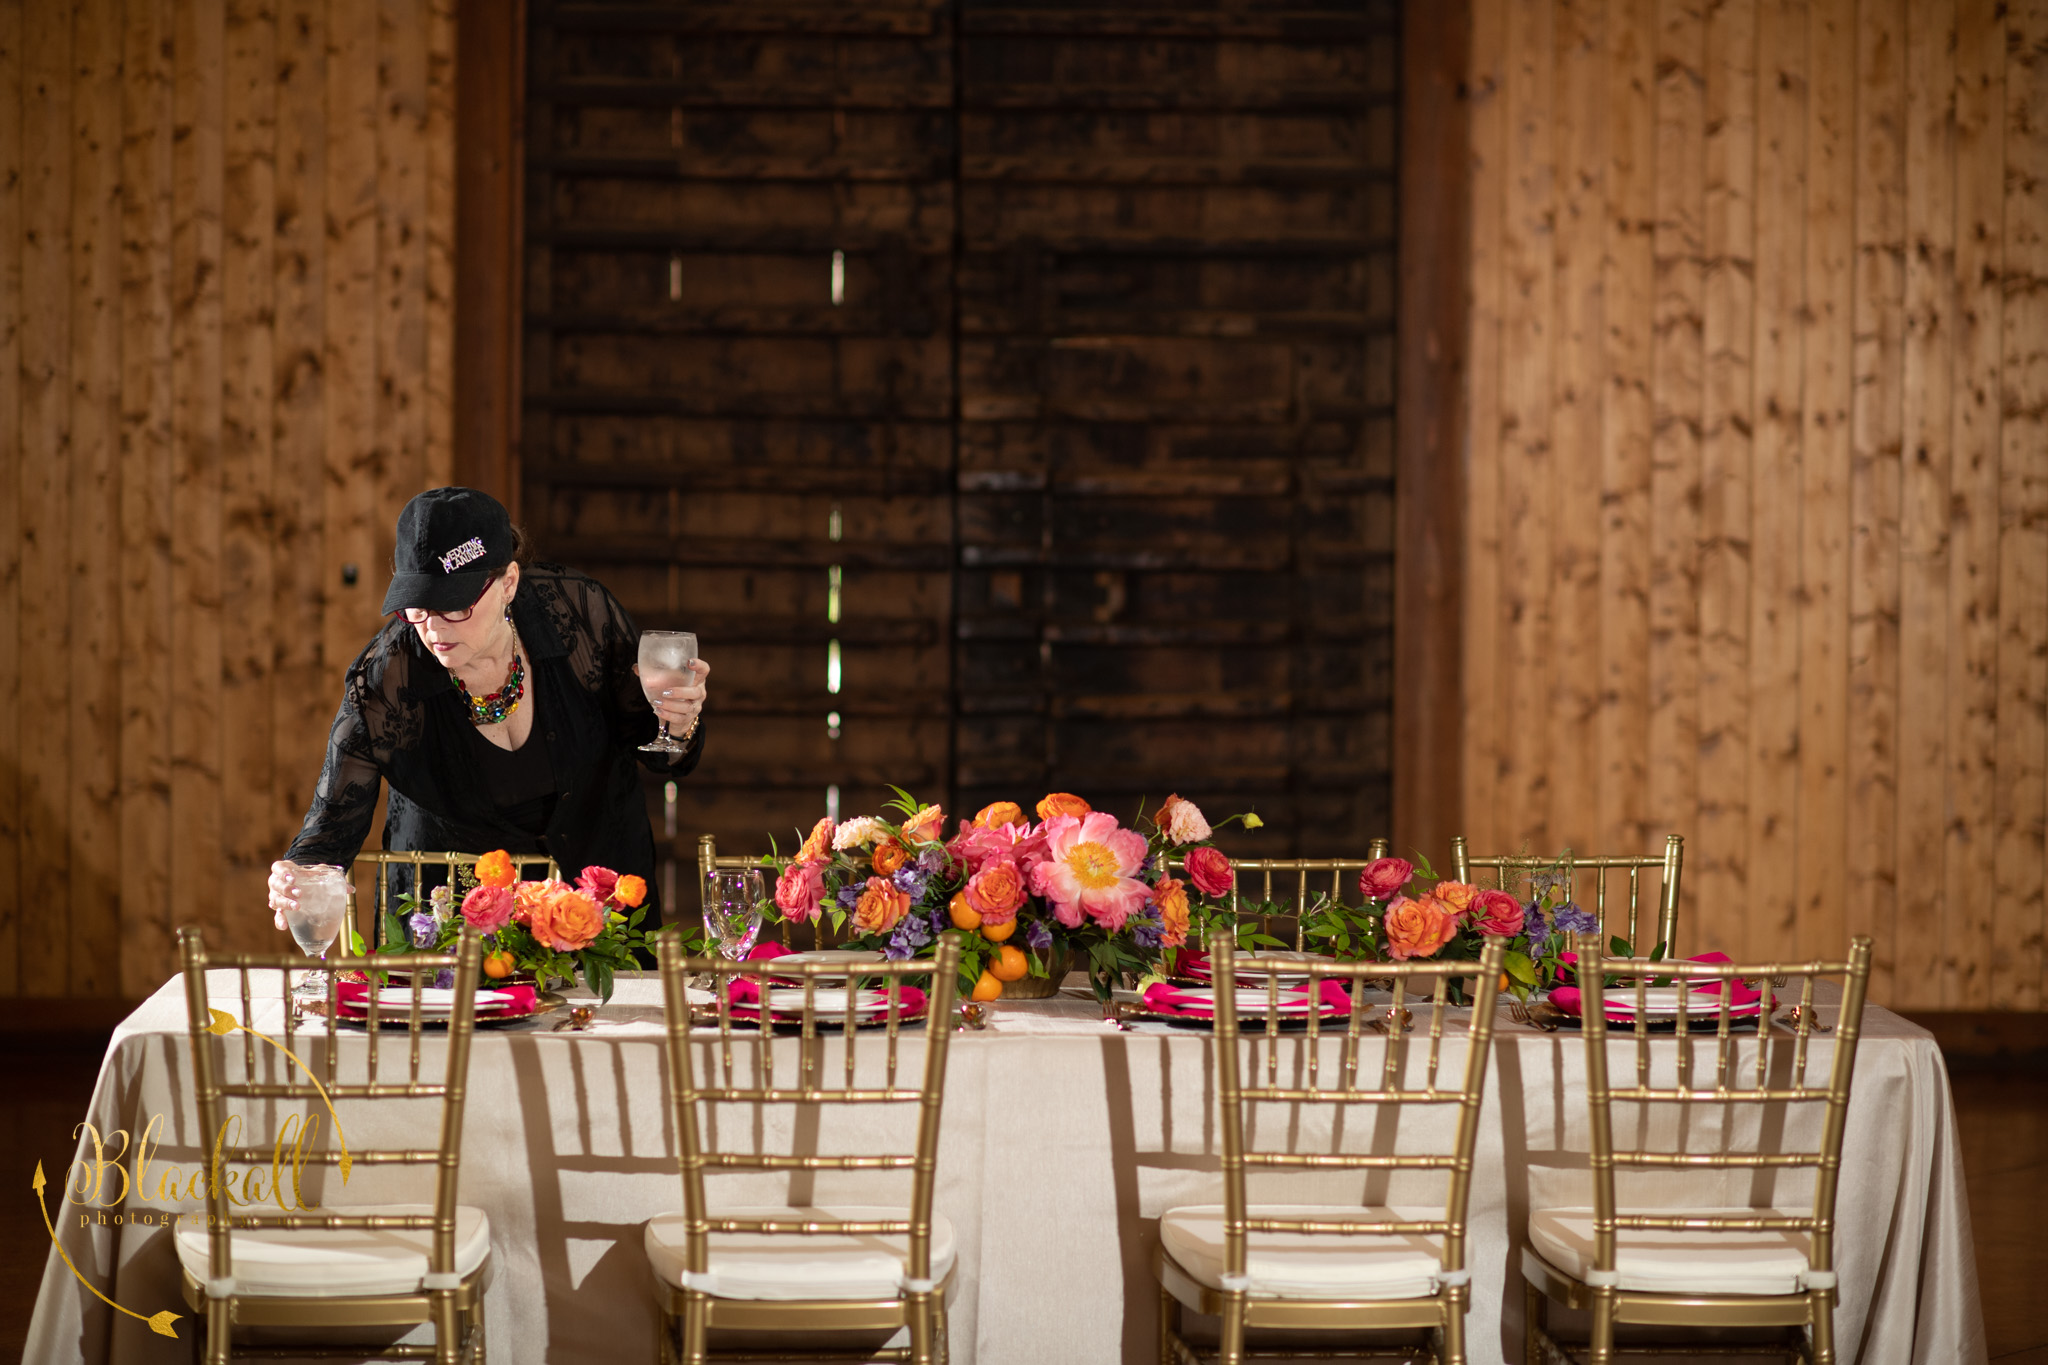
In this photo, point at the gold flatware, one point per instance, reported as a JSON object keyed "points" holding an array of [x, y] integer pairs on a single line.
{"points": [[1538, 1014]]}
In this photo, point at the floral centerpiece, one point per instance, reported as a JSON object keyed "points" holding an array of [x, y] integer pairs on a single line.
{"points": [[1025, 898], [549, 930]]}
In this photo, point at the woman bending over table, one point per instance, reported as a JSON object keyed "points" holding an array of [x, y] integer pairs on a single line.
{"points": [[503, 706]]}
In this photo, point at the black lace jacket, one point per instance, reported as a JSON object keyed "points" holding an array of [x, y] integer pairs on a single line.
{"points": [[402, 721]]}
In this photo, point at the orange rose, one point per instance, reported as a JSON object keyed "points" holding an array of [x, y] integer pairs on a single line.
{"points": [[925, 826], [1063, 803], [527, 896], [818, 847], [495, 869], [881, 905], [567, 921], [1457, 897], [889, 856], [999, 813], [630, 891], [1418, 927], [996, 892], [1172, 899]]}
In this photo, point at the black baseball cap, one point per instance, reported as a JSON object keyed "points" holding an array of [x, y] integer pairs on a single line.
{"points": [[450, 542]]}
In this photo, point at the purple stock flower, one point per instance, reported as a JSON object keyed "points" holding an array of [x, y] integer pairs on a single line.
{"points": [[932, 861], [1536, 927], [910, 881], [1147, 930], [444, 980], [1037, 936], [849, 896], [423, 928], [1572, 920], [911, 934]]}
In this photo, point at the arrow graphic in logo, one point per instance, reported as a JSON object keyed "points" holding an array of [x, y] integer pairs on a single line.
{"points": [[160, 1324], [223, 1023]]}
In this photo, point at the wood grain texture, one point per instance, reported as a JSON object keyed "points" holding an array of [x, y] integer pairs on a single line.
{"points": [[1974, 522], [46, 634], [1482, 754], [93, 720], [436, 36], [400, 343], [13, 471]]}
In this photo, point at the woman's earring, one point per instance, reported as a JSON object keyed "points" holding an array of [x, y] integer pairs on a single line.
{"points": [[508, 611]]}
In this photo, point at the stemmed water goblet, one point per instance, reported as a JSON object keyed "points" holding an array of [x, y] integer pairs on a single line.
{"points": [[665, 657], [325, 897], [734, 902]]}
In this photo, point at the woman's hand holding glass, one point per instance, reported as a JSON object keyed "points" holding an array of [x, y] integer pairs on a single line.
{"points": [[673, 678]]}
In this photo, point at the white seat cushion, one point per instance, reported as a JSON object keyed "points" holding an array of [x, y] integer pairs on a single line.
{"points": [[333, 1263], [1682, 1261], [1318, 1265], [788, 1265]]}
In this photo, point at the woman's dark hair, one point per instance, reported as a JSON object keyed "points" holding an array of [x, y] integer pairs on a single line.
{"points": [[522, 547]]}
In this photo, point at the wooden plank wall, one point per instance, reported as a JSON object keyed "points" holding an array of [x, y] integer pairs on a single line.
{"points": [[1756, 549], [225, 311]]}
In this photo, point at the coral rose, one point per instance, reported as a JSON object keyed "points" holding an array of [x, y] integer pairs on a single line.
{"points": [[495, 869], [566, 921], [1498, 914], [526, 896], [880, 906], [998, 813], [631, 891], [1210, 870], [925, 826], [1172, 899], [1182, 821], [1457, 897], [817, 846], [1383, 878], [1063, 803], [996, 892], [488, 908], [800, 890], [890, 856], [1090, 870], [1418, 927], [598, 883]]}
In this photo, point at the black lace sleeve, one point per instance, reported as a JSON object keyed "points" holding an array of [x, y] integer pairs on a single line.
{"points": [[379, 714], [604, 644]]}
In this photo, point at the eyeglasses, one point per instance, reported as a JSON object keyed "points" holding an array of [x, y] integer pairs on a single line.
{"points": [[418, 615]]}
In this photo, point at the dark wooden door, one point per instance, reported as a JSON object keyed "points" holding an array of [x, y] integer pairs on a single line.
{"points": [[1003, 394]]}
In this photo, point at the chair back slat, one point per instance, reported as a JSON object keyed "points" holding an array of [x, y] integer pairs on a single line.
{"points": [[706, 1070], [1390, 1085], [385, 879], [1628, 980], [1508, 871], [210, 1045]]}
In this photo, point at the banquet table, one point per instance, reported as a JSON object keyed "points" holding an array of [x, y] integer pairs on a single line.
{"points": [[1064, 1138]]}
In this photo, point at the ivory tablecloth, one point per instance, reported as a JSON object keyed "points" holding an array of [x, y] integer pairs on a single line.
{"points": [[1063, 1141]]}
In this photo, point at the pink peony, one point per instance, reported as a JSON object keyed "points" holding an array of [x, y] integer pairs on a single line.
{"points": [[1498, 914], [1089, 870], [975, 847], [489, 908], [1210, 870], [800, 890], [597, 883], [1382, 878]]}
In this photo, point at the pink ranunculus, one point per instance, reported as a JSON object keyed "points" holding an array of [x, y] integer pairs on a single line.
{"points": [[1498, 914], [597, 883], [1182, 820], [1089, 870], [1382, 878], [489, 908], [800, 890], [1210, 870]]}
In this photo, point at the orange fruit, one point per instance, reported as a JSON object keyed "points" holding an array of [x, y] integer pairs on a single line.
{"points": [[964, 915], [986, 987], [1503, 983], [498, 965], [996, 933], [1009, 964]]}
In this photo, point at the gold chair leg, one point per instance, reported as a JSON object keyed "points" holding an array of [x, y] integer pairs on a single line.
{"points": [[696, 1329], [219, 1323], [1231, 1350], [664, 1335], [1454, 1328], [1823, 1314], [447, 1339], [1535, 1322], [1601, 1350], [1169, 1325], [940, 1329], [920, 1316]]}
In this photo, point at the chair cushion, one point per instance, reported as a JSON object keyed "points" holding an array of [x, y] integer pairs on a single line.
{"points": [[333, 1263], [788, 1265], [1316, 1265], [1682, 1261]]}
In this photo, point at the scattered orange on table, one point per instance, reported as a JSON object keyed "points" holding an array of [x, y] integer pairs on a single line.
{"points": [[986, 987], [1009, 964], [996, 933]]}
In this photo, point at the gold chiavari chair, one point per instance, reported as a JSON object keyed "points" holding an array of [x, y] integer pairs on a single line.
{"points": [[838, 1269], [1332, 1268], [1511, 868], [1336, 878], [1714, 1266], [527, 865], [367, 1266]]}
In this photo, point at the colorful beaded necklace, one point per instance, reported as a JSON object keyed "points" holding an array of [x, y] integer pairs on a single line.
{"points": [[493, 707]]}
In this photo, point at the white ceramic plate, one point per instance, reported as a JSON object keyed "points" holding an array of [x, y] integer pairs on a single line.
{"points": [[825, 1000], [829, 957], [1664, 1000], [1252, 1000], [434, 1001]]}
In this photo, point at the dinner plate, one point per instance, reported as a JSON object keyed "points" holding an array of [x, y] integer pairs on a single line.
{"points": [[850, 958], [1285, 964], [435, 1001], [825, 1000], [1665, 1000]]}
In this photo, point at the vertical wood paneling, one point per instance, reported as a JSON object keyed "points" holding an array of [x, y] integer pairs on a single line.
{"points": [[400, 343], [93, 720], [1925, 422], [1482, 682], [45, 486], [437, 197], [250, 829], [1824, 478], [196, 409], [145, 603], [1874, 479], [1973, 502], [2022, 790], [1727, 334], [13, 469]]}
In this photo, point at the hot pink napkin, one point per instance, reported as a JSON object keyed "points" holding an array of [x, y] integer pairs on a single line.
{"points": [[354, 998], [1742, 1000], [907, 1002], [1164, 998]]}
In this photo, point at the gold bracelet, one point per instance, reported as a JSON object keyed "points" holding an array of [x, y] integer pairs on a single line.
{"points": [[684, 737]]}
